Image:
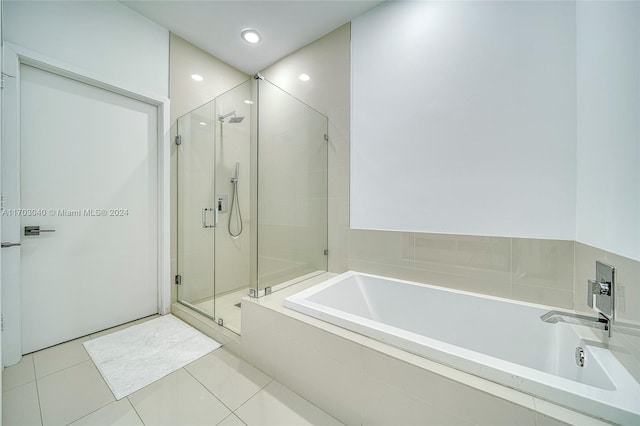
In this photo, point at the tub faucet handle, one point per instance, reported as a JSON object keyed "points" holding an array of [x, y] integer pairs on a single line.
{"points": [[597, 288], [602, 289]]}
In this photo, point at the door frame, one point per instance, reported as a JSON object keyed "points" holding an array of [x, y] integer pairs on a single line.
{"points": [[13, 57]]}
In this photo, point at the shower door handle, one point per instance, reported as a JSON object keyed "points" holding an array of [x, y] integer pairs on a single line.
{"points": [[35, 230], [216, 216], [204, 217]]}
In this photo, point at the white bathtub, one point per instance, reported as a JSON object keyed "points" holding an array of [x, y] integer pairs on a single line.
{"points": [[497, 339]]}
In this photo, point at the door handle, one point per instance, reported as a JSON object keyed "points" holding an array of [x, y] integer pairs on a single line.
{"points": [[35, 230], [204, 217], [7, 245]]}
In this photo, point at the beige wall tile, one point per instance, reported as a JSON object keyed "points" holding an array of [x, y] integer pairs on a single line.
{"points": [[338, 250], [542, 420], [467, 283], [187, 94], [543, 263], [465, 262], [258, 338], [543, 296], [450, 397], [327, 61], [383, 405], [385, 270], [384, 247], [310, 360]]}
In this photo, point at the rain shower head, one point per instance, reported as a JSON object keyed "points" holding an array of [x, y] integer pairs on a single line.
{"points": [[233, 119]]}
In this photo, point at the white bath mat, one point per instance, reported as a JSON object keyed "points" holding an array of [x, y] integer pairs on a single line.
{"points": [[132, 358]]}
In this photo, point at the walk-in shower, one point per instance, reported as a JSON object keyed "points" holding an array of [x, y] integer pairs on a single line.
{"points": [[252, 198]]}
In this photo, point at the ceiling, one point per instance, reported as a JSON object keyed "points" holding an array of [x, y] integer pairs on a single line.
{"points": [[285, 26]]}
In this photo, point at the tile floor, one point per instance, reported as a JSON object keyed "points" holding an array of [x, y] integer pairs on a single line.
{"points": [[61, 386]]}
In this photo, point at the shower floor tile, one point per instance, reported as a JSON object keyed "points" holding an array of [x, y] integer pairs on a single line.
{"points": [[227, 307], [219, 388]]}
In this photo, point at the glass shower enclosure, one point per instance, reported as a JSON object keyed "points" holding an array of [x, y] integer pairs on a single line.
{"points": [[252, 198]]}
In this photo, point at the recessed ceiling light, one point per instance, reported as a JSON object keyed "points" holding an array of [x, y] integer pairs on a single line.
{"points": [[197, 77], [304, 77], [251, 36], [203, 123], [248, 102]]}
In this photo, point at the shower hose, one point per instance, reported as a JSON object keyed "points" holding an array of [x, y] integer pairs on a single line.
{"points": [[234, 210]]}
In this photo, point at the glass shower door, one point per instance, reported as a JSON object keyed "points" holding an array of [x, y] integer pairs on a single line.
{"points": [[232, 188], [196, 210], [292, 189]]}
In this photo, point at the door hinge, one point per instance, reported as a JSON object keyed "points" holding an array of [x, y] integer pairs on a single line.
{"points": [[178, 280], [326, 137], [326, 252], [3, 82], [179, 140], [2, 322]]}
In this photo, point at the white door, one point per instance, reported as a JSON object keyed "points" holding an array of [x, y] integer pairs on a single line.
{"points": [[88, 171]]}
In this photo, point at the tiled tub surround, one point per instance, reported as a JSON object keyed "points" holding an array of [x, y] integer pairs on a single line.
{"points": [[494, 338], [363, 381], [548, 272]]}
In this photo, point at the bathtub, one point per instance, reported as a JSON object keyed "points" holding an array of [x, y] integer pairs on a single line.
{"points": [[497, 339]]}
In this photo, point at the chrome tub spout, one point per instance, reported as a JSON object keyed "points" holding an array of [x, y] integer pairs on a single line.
{"points": [[601, 322]]}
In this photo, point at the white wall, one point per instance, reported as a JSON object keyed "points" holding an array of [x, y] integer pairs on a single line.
{"points": [[463, 118], [104, 41], [103, 37], [608, 58]]}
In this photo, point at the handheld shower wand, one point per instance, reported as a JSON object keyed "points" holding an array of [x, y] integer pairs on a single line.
{"points": [[235, 205]]}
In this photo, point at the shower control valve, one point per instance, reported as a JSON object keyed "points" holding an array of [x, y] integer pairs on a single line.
{"points": [[601, 290], [222, 203]]}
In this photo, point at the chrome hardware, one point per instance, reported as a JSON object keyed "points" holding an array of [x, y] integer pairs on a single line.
{"points": [[267, 290], [223, 203], [220, 322], [7, 245], [579, 354], [601, 323], [35, 230], [253, 293], [178, 280], [204, 217], [602, 289], [179, 140]]}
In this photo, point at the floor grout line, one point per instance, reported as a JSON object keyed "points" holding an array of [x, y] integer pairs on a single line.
{"points": [[65, 368], [134, 409], [39, 403], [208, 390]]}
